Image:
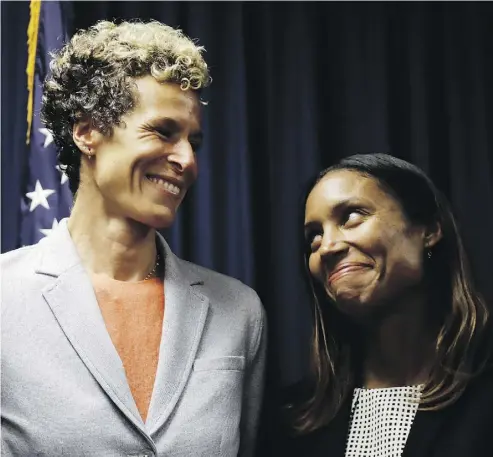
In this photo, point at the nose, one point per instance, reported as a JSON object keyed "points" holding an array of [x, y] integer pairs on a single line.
{"points": [[182, 157], [332, 246]]}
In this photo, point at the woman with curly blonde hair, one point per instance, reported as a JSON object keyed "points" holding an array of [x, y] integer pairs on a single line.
{"points": [[112, 345]]}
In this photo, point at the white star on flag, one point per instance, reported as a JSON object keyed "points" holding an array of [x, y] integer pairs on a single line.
{"points": [[48, 136], [64, 176], [38, 196], [46, 232]]}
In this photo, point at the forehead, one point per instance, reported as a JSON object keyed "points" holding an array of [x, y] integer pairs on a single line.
{"points": [[346, 186], [166, 100]]}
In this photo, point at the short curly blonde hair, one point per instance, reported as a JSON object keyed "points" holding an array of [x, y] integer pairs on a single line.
{"points": [[92, 76]]}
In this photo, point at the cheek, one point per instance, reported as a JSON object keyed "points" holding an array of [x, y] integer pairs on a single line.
{"points": [[396, 253], [405, 263], [314, 266], [194, 172], [409, 266], [111, 175]]}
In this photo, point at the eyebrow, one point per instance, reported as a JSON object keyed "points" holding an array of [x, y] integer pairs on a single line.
{"points": [[308, 226], [349, 202], [198, 135], [174, 125]]}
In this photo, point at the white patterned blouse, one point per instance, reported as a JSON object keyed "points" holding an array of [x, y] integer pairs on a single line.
{"points": [[381, 420]]}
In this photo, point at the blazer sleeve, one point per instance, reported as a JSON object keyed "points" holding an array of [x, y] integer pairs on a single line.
{"points": [[253, 384]]}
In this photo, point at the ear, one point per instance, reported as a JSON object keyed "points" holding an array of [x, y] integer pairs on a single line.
{"points": [[86, 137], [432, 235]]}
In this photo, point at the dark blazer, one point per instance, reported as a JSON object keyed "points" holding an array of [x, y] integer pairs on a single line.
{"points": [[463, 429]]}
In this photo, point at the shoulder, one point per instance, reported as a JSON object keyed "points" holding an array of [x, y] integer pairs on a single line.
{"points": [[19, 263], [18, 279], [17, 254], [222, 288], [289, 399], [479, 392], [465, 425], [235, 308]]}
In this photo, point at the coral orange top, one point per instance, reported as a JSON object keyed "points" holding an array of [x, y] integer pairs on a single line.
{"points": [[133, 313]]}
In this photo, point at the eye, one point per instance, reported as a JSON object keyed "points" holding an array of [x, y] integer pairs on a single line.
{"points": [[313, 238], [353, 216], [165, 133], [196, 140], [196, 145]]}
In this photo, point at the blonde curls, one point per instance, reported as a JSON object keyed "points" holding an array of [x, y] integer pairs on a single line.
{"points": [[92, 75]]}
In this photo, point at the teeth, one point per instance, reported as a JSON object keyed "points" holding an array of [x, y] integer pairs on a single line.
{"points": [[165, 185]]}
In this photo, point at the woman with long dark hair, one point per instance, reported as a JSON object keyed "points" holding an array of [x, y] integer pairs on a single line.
{"points": [[402, 340]]}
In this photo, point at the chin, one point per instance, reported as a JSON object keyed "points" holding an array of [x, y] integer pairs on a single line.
{"points": [[160, 221], [353, 309], [351, 303], [361, 310]]}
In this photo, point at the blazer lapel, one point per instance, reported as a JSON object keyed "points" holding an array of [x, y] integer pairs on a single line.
{"points": [[328, 440], [336, 437], [73, 302], [424, 430], [184, 318]]}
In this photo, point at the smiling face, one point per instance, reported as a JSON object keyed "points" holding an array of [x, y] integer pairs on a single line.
{"points": [[362, 249], [144, 169]]}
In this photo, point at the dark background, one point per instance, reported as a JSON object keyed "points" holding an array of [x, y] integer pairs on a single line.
{"points": [[297, 86]]}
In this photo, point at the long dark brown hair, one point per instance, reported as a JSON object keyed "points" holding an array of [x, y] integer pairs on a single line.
{"points": [[463, 342]]}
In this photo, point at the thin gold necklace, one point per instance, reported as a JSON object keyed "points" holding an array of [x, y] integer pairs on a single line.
{"points": [[153, 271]]}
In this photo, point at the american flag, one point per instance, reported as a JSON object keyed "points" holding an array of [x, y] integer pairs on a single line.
{"points": [[46, 196]]}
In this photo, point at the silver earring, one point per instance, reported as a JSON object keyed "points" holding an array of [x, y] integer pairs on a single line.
{"points": [[429, 254]]}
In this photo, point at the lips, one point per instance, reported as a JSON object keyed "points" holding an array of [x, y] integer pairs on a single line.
{"points": [[344, 269], [166, 184]]}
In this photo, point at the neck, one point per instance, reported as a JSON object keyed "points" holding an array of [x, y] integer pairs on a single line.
{"points": [[398, 349], [110, 245]]}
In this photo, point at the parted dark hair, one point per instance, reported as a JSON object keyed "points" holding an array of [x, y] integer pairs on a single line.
{"points": [[463, 342]]}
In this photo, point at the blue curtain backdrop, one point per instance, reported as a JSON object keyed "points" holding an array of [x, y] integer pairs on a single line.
{"points": [[297, 85]]}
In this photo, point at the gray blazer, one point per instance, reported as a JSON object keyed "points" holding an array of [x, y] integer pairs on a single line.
{"points": [[64, 390]]}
